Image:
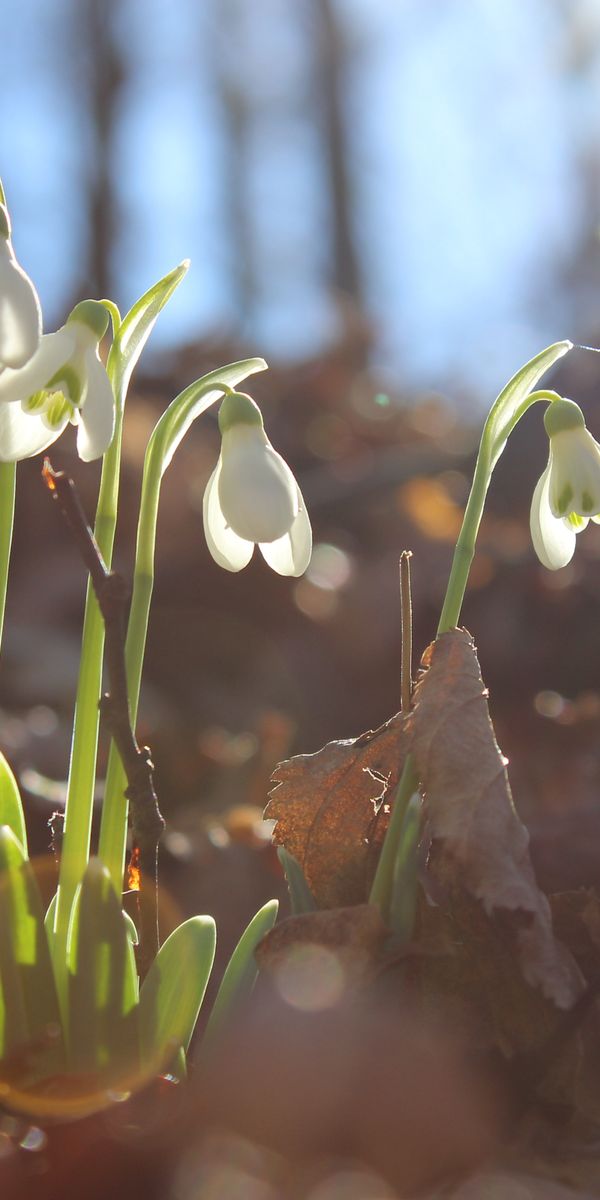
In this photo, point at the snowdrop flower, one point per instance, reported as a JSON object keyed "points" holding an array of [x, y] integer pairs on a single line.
{"points": [[252, 497], [64, 381], [20, 312], [568, 493]]}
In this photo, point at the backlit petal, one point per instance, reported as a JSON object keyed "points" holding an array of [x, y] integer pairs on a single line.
{"points": [[257, 490], [22, 435], [20, 312], [553, 539], [290, 554], [228, 550], [52, 352], [97, 414]]}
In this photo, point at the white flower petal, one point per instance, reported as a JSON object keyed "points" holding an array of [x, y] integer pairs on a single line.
{"points": [[22, 435], [97, 413], [575, 473], [257, 490], [553, 540], [20, 312], [290, 554], [52, 352], [228, 550]]}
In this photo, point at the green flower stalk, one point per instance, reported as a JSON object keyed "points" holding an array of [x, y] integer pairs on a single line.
{"points": [[512, 403], [165, 439]]}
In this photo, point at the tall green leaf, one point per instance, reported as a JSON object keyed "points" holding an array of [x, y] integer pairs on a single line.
{"points": [[30, 1028], [11, 809], [137, 325], [102, 1031], [301, 897], [173, 990], [241, 971]]}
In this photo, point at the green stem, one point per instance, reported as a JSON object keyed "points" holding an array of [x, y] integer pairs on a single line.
{"points": [[8, 483], [84, 747], [493, 440], [381, 891], [490, 448], [113, 828], [165, 438]]}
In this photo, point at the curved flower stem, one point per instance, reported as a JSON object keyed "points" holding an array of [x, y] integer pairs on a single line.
{"points": [[167, 435], [490, 449], [8, 484], [501, 421]]}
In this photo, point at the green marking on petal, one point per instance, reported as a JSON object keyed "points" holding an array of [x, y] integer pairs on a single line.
{"points": [[4, 223], [587, 503], [564, 499], [576, 522], [68, 381], [56, 409], [34, 403]]}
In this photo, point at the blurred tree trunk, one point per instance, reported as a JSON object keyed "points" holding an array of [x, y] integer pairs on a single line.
{"points": [[331, 58], [104, 78], [233, 93]]}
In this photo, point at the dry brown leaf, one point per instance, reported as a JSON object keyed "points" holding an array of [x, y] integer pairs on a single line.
{"points": [[331, 813], [354, 935], [483, 848]]}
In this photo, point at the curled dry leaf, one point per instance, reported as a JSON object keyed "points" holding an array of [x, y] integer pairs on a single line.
{"points": [[482, 846], [331, 813]]}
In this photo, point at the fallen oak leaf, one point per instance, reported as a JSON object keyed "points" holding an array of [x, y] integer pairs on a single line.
{"points": [[483, 846], [331, 810]]}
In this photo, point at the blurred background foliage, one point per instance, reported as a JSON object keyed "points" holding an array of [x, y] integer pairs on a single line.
{"points": [[397, 203]]}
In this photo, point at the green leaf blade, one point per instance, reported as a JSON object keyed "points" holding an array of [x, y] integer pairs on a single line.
{"points": [[29, 1012], [102, 1020], [137, 325], [173, 990], [512, 401], [11, 808], [241, 971], [301, 897]]}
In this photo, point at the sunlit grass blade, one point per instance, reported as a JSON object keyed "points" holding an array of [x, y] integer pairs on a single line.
{"points": [[403, 901], [102, 1030], [29, 1014], [241, 971], [301, 897], [11, 808], [173, 990], [137, 325]]}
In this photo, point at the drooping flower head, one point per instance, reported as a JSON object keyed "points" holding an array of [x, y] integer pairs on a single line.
{"points": [[252, 497], [568, 493], [64, 381], [20, 312]]}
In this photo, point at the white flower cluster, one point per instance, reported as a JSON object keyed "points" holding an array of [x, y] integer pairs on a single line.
{"points": [[47, 381]]}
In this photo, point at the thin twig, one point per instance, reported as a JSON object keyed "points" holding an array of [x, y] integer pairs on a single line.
{"points": [[406, 618], [146, 820]]}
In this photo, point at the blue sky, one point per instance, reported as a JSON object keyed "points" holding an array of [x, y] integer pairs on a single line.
{"points": [[467, 121]]}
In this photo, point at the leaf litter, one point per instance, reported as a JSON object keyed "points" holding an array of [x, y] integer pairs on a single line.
{"points": [[516, 968]]}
